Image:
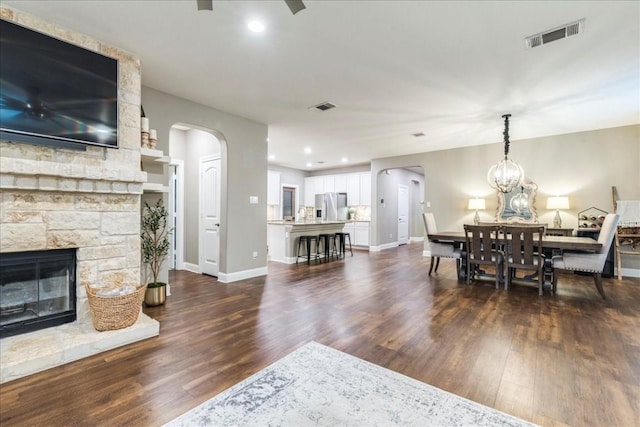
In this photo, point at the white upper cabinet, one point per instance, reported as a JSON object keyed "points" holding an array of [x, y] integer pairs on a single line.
{"points": [[273, 188], [309, 188], [318, 185], [329, 182], [365, 189], [341, 183], [356, 185], [353, 189]]}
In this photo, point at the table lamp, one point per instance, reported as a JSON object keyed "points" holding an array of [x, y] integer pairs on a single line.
{"points": [[557, 203], [476, 204]]}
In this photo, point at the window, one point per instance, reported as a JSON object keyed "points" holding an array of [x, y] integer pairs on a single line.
{"points": [[288, 203]]}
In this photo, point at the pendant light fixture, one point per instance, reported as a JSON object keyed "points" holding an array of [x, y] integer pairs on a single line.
{"points": [[507, 174]]}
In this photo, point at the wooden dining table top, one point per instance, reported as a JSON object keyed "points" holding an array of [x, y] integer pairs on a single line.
{"points": [[549, 242]]}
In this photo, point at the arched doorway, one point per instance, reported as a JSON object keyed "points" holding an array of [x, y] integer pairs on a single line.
{"points": [[195, 201]]}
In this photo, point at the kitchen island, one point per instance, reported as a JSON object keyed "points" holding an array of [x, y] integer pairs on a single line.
{"points": [[283, 236]]}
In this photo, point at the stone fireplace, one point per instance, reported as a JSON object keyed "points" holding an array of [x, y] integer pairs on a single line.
{"points": [[88, 200]]}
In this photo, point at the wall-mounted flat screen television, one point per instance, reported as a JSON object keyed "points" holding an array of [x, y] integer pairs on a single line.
{"points": [[55, 93]]}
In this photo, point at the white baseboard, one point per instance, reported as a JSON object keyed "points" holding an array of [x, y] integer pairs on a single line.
{"points": [[628, 272], [426, 254], [241, 275], [383, 247], [194, 268], [416, 239]]}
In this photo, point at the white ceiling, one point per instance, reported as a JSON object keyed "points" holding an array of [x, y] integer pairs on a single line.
{"points": [[393, 68]]}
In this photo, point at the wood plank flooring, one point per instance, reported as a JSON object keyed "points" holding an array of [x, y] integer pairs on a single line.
{"points": [[567, 359]]}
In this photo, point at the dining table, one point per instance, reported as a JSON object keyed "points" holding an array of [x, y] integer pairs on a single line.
{"points": [[550, 244]]}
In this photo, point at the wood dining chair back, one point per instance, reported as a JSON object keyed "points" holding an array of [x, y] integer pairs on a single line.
{"points": [[483, 249], [523, 251], [589, 262], [438, 250]]}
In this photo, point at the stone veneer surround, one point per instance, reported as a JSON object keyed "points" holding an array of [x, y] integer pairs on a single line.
{"points": [[54, 198]]}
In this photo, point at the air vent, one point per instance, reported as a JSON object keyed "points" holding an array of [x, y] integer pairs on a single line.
{"points": [[568, 30], [418, 134], [323, 107]]}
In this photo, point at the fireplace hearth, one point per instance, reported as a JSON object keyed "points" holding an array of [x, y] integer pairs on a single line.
{"points": [[37, 290]]}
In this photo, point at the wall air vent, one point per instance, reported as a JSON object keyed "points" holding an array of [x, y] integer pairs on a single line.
{"points": [[562, 32], [323, 107]]}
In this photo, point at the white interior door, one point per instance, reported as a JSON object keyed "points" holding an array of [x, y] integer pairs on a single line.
{"points": [[403, 214], [210, 215]]}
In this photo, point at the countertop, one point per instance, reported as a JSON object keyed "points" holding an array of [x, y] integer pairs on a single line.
{"points": [[281, 222]]}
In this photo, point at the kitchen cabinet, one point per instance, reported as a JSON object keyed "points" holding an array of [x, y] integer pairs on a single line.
{"points": [[365, 189], [273, 188], [359, 232], [318, 185], [356, 185], [329, 183], [353, 189], [341, 184], [309, 188]]}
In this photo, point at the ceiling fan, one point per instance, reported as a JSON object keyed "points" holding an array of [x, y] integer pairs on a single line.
{"points": [[295, 6]]}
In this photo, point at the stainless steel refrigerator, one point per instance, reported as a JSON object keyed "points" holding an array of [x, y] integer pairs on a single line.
{"points": [[331, 207]]}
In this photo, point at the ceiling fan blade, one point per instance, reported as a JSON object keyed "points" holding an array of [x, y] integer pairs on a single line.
{"points": [[205, 4], [295, 6]]}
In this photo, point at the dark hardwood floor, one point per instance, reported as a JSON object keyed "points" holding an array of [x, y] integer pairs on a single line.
{"points": [[566, 359]]}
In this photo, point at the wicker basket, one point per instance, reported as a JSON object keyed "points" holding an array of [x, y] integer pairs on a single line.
{"points": [[114, 312]]}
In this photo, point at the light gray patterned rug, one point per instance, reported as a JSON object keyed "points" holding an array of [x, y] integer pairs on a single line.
{"points": [[319, 386]]}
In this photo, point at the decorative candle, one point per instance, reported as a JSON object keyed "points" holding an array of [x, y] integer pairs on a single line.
{"points": [[144, 123], [153, 134]]}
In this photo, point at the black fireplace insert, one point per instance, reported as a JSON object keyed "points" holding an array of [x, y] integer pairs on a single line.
{"points": [[37, 290]]}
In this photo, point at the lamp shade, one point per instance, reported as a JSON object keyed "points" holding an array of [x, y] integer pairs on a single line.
{"points": [[559, 202], [475, 204]]}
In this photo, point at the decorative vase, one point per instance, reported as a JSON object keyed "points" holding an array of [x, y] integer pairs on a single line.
{"points": [[156, 294]]}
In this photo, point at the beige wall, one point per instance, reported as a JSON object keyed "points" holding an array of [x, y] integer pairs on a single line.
{"points": [[581, 165], [243, 142]]}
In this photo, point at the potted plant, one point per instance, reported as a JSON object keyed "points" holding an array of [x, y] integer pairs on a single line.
{"points": [[154, 247]]}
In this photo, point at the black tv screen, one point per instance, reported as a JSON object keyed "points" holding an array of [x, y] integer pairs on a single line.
{"points": [[55, 93]]}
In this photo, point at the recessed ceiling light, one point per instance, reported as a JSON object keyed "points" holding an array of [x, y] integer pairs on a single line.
{"points": [[345, 160], [309, 164], [256, 26], [307, 150], [272, 156]]}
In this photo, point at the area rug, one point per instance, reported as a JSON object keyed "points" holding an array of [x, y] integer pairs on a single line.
{"points": [[319, 386]]}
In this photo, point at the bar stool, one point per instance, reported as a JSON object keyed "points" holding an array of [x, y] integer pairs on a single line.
{"points": [[307, 240], [341, 238], [328, 242]]}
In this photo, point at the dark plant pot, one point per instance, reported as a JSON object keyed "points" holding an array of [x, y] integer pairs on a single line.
{"points": [[156, 294]]}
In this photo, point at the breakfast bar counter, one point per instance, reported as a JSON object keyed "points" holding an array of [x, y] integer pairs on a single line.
{"points": [[283, 236]]}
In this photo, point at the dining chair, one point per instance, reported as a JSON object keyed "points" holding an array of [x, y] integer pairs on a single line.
{"points": [[589, 262], [483, 243], [523, 251], [439, 250]]}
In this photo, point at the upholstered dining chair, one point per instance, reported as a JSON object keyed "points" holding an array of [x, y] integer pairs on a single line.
{"points": [[523, 251], [439, 250], [483, 249], [589, 262]]}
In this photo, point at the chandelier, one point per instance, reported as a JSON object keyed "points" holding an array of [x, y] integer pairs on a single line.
{"points": [[506, 174]]}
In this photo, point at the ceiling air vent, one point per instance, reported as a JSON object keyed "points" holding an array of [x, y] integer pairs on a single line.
{"points": [[568, 30], [418, 134], [323, 107]]}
